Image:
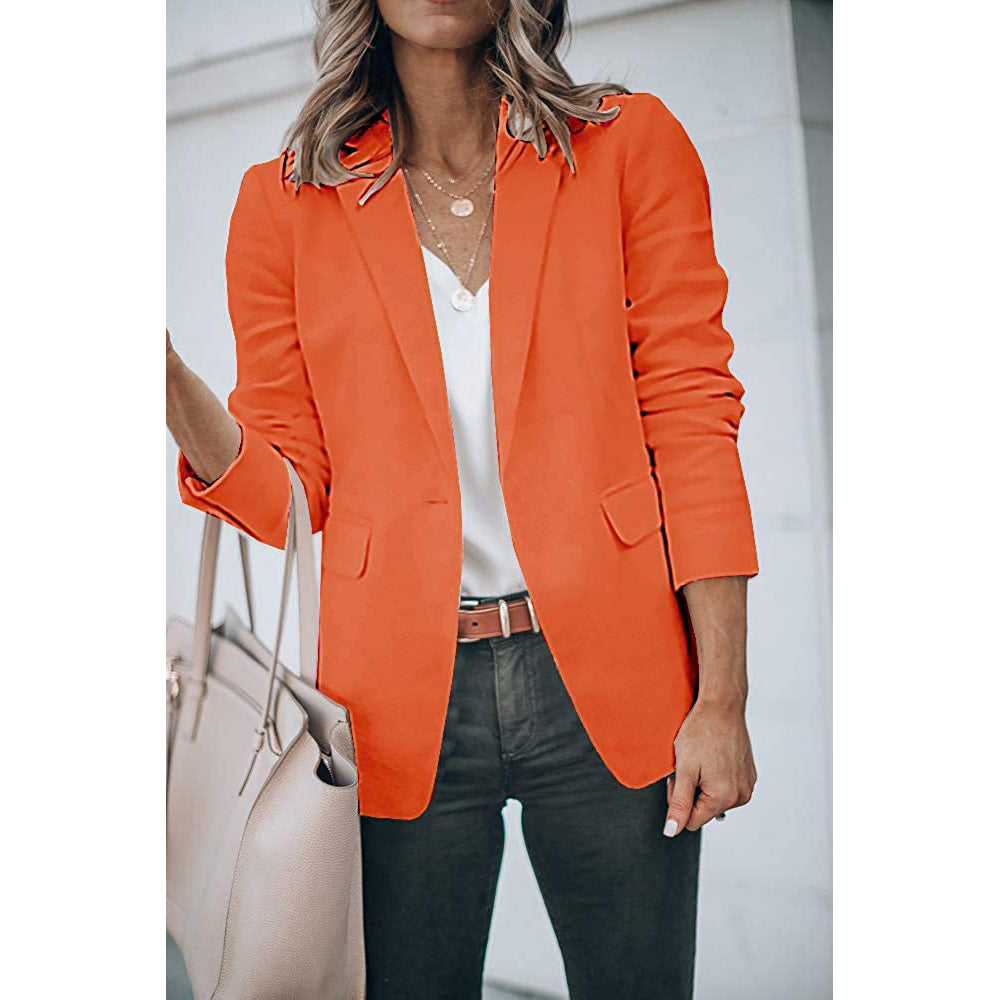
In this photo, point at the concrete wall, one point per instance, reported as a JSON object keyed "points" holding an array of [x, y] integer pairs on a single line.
{"points": [[750, 80]]}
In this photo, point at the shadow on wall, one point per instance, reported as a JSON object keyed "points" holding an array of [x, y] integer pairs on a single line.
{"points": [[178, 987]]}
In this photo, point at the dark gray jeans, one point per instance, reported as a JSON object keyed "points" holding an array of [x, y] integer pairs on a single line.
{"points": [[621, 896]]}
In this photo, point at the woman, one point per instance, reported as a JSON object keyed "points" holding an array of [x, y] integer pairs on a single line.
{"points": [[478, 307]]}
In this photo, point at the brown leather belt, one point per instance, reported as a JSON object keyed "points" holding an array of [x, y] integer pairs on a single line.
{"points": [[495, 618]]}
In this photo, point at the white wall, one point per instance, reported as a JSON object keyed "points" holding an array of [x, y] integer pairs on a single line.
{"points": [[743, 76]]}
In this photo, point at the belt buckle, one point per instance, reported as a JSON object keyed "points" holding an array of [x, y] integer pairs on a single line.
{"points": [[468, 602], [535, 626], [504, 617]]}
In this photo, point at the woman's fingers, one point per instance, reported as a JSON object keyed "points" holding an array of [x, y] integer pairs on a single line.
{"points": [[681, 788], [706, 807], [694, 797]]}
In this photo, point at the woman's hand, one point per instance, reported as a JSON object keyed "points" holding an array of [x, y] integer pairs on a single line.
{"points": [[202, 427], [715, 768]]}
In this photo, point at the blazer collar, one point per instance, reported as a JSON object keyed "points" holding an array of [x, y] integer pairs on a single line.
{"points": [[370, 150], [385, 232]]}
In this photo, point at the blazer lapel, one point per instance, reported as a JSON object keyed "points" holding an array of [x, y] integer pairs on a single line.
{"points": [[386, 233], [522, 211]]}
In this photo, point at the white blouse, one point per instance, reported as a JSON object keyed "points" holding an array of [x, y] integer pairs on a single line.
{"points": [[489, 565]]}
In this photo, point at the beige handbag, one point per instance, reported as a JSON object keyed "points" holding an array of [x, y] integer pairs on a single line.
{"points": [[263, 833]]}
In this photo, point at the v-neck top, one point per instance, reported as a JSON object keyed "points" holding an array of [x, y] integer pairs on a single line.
{"points": [[489, 564]]}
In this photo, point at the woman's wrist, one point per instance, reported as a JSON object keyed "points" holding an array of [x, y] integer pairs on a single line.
{"points": [[722, 682], [728, 701], [174, 363]]}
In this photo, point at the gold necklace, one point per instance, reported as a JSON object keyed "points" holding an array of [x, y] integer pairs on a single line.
{"points": [[462, 299], [461, 204]]}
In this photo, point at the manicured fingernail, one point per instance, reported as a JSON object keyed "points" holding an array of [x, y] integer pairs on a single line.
{"points": [[671, 828]]}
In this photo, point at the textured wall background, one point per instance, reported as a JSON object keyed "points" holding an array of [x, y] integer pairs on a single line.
{"points": [[751, 81]]}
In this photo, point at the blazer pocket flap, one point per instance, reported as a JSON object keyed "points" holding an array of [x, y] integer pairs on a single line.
{"points": [[633, 509], [349, 541]]}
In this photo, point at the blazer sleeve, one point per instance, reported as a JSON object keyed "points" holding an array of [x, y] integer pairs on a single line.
{"points": [[689, 401], [272, 401]]}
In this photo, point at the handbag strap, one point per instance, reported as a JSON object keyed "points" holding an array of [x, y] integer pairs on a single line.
{"points": [[305, 571], [298, 545], [247, 588], [206, 580]]}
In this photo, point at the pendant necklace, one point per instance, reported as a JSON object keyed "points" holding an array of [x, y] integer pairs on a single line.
{"points": [[462, 299], [461, 204]]}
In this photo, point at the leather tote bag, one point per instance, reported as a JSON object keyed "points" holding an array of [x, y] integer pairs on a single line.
{"points": [[263, 832]]}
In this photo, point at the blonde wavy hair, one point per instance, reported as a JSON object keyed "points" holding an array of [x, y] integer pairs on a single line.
{"points": [[357, 83]]}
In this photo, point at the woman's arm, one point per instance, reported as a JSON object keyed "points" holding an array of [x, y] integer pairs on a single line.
{"points": [[690, 402], [715, 767], [691, 406], [200, 424], [231, 463]]}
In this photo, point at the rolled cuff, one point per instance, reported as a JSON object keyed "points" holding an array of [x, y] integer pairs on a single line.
{"points": [[252, 494], [706, 546]]}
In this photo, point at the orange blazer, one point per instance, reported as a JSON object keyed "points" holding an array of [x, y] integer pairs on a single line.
{"points": [[616, 419]]}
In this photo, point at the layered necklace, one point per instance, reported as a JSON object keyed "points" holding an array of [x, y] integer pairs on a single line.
{"points": [[462, 206]]}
